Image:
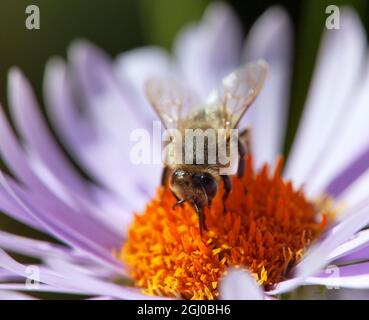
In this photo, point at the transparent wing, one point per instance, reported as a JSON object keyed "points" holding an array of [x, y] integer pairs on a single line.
{"points": [[237, 91], [171, 101]]}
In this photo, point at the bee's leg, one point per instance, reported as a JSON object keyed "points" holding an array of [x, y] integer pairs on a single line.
{"points": [[200, 214], [164, 176], [241, 161], [243, 150], [178, 203], [175, 196], [227, 189]]}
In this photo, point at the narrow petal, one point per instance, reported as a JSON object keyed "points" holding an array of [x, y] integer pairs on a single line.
{"points": [[352, 276], [270, 38], [61, 213], [74, 129], [14, 287], [33, 172], [81, 235], [346, 152], [88, 282], [34, 248], [6, 275], [318, 256], [347, 176], [14, 156], [285, 286], [134, 68], [65, 279], [9, 207], [333, 271], [107, 107], [207, 51], [357, 241], [335, 79], [355, 193], [359, 255], [15, 159], [82, 140], [240, 285], [11, 295], [29, 122]]}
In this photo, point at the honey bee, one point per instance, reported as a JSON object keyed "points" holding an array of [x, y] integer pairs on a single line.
{"points": [[179, 108]]}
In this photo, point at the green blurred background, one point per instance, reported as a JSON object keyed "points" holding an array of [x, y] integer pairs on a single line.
{"points": [[119, 25]]}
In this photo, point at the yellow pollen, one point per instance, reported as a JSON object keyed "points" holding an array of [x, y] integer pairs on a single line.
{"points": [[265, 229]]}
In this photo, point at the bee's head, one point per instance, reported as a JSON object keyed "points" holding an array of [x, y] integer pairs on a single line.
{"points": [[195, 187]]}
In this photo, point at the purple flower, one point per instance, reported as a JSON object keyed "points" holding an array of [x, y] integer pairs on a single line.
{"points": [[94, 105]]}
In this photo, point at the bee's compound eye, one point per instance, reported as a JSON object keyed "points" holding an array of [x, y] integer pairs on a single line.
{"points": [[178, 176], [209, 184]]}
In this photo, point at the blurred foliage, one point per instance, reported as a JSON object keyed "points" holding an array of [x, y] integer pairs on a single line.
{"points": [[162, 19], [112, 24]]}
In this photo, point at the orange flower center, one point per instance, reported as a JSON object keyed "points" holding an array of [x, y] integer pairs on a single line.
{"points": [[266, 228]]}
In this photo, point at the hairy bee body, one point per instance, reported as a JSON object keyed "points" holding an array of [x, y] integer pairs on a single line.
{"points": [[195, 174]]}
